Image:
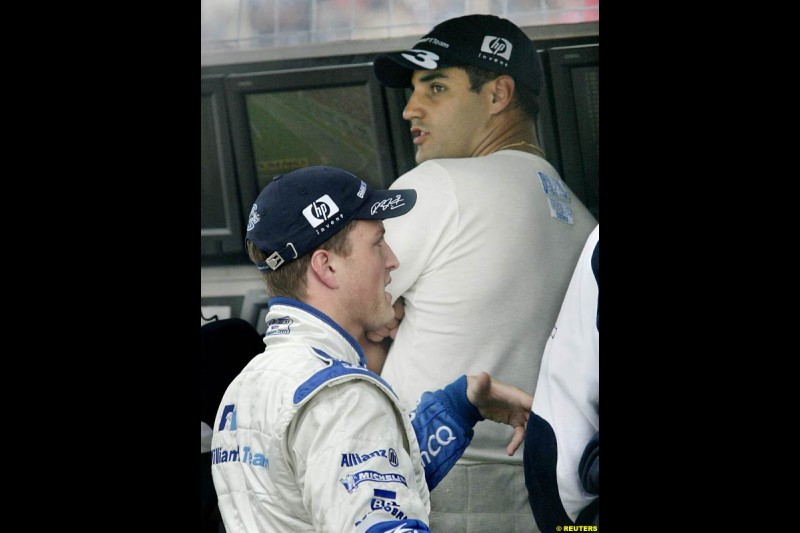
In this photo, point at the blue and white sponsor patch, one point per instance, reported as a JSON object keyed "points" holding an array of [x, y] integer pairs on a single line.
{"points": [[353, 459], [384, 500], [557, 198], [278, 326], [352, 481], [247, 456]]}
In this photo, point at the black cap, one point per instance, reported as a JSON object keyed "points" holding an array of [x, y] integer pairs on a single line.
{"points": [[485, 41]]}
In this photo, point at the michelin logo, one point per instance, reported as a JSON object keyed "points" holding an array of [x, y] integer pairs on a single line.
{"points": [[352, 481]]}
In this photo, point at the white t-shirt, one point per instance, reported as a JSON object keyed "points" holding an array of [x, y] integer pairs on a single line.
{"points": [[485, 259], [568, 391]]}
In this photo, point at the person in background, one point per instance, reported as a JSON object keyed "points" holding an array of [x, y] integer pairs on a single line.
{"points": [[487, 252], [562, 446], [306, 437]]}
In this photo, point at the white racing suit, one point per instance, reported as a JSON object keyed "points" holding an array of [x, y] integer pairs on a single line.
{"points": [[307, 439]]}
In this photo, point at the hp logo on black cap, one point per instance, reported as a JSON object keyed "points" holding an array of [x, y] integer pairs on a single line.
{"points": [[497, 46]]}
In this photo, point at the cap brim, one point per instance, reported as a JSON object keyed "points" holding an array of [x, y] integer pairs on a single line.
{"points": [[387, 204], [393, 70]]}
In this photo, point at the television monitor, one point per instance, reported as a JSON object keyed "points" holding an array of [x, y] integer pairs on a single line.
{"points": [[332, 115], [220, 217], [574, 103]]}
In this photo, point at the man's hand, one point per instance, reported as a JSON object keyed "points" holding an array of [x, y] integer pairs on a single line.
{"points": [[375, 353], [501, 403], [390, 329]]}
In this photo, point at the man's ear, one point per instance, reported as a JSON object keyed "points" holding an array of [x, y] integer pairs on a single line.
{"points": [[502, 88], [323, 268]]}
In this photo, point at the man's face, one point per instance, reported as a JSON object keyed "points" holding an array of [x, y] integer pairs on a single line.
{"points": [[447, 119], [365, 274]]}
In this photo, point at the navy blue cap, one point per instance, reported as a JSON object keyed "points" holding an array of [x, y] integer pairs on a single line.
{"points": [[298, 211], [485, 41]]}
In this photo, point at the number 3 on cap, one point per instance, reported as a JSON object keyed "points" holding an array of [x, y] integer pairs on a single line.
{"points": [[423, 58]]}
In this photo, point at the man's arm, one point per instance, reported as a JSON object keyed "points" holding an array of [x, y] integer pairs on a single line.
{"points": [[353, 468], [443, 420], [501, 403]]}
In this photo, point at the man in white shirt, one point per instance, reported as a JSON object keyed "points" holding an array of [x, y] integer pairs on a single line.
{"points": [[487, 252]]}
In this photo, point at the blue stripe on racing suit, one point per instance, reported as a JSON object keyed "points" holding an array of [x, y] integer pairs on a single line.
{"points": [[399, 526]]}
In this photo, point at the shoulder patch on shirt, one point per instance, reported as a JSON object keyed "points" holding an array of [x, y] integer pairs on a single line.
{"points": [[279, 326], [558, 198]]}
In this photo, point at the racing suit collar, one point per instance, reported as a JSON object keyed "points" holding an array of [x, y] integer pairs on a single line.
{"points": [[287, 317]]}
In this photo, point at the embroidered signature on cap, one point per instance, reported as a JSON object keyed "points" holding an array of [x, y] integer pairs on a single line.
{"points": [[389, 203]]}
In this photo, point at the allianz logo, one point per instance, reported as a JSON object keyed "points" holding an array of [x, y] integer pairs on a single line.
{"points": [[352, 459]]}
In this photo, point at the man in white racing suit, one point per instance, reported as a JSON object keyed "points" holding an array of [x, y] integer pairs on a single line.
{"points": [[307, 438]]}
